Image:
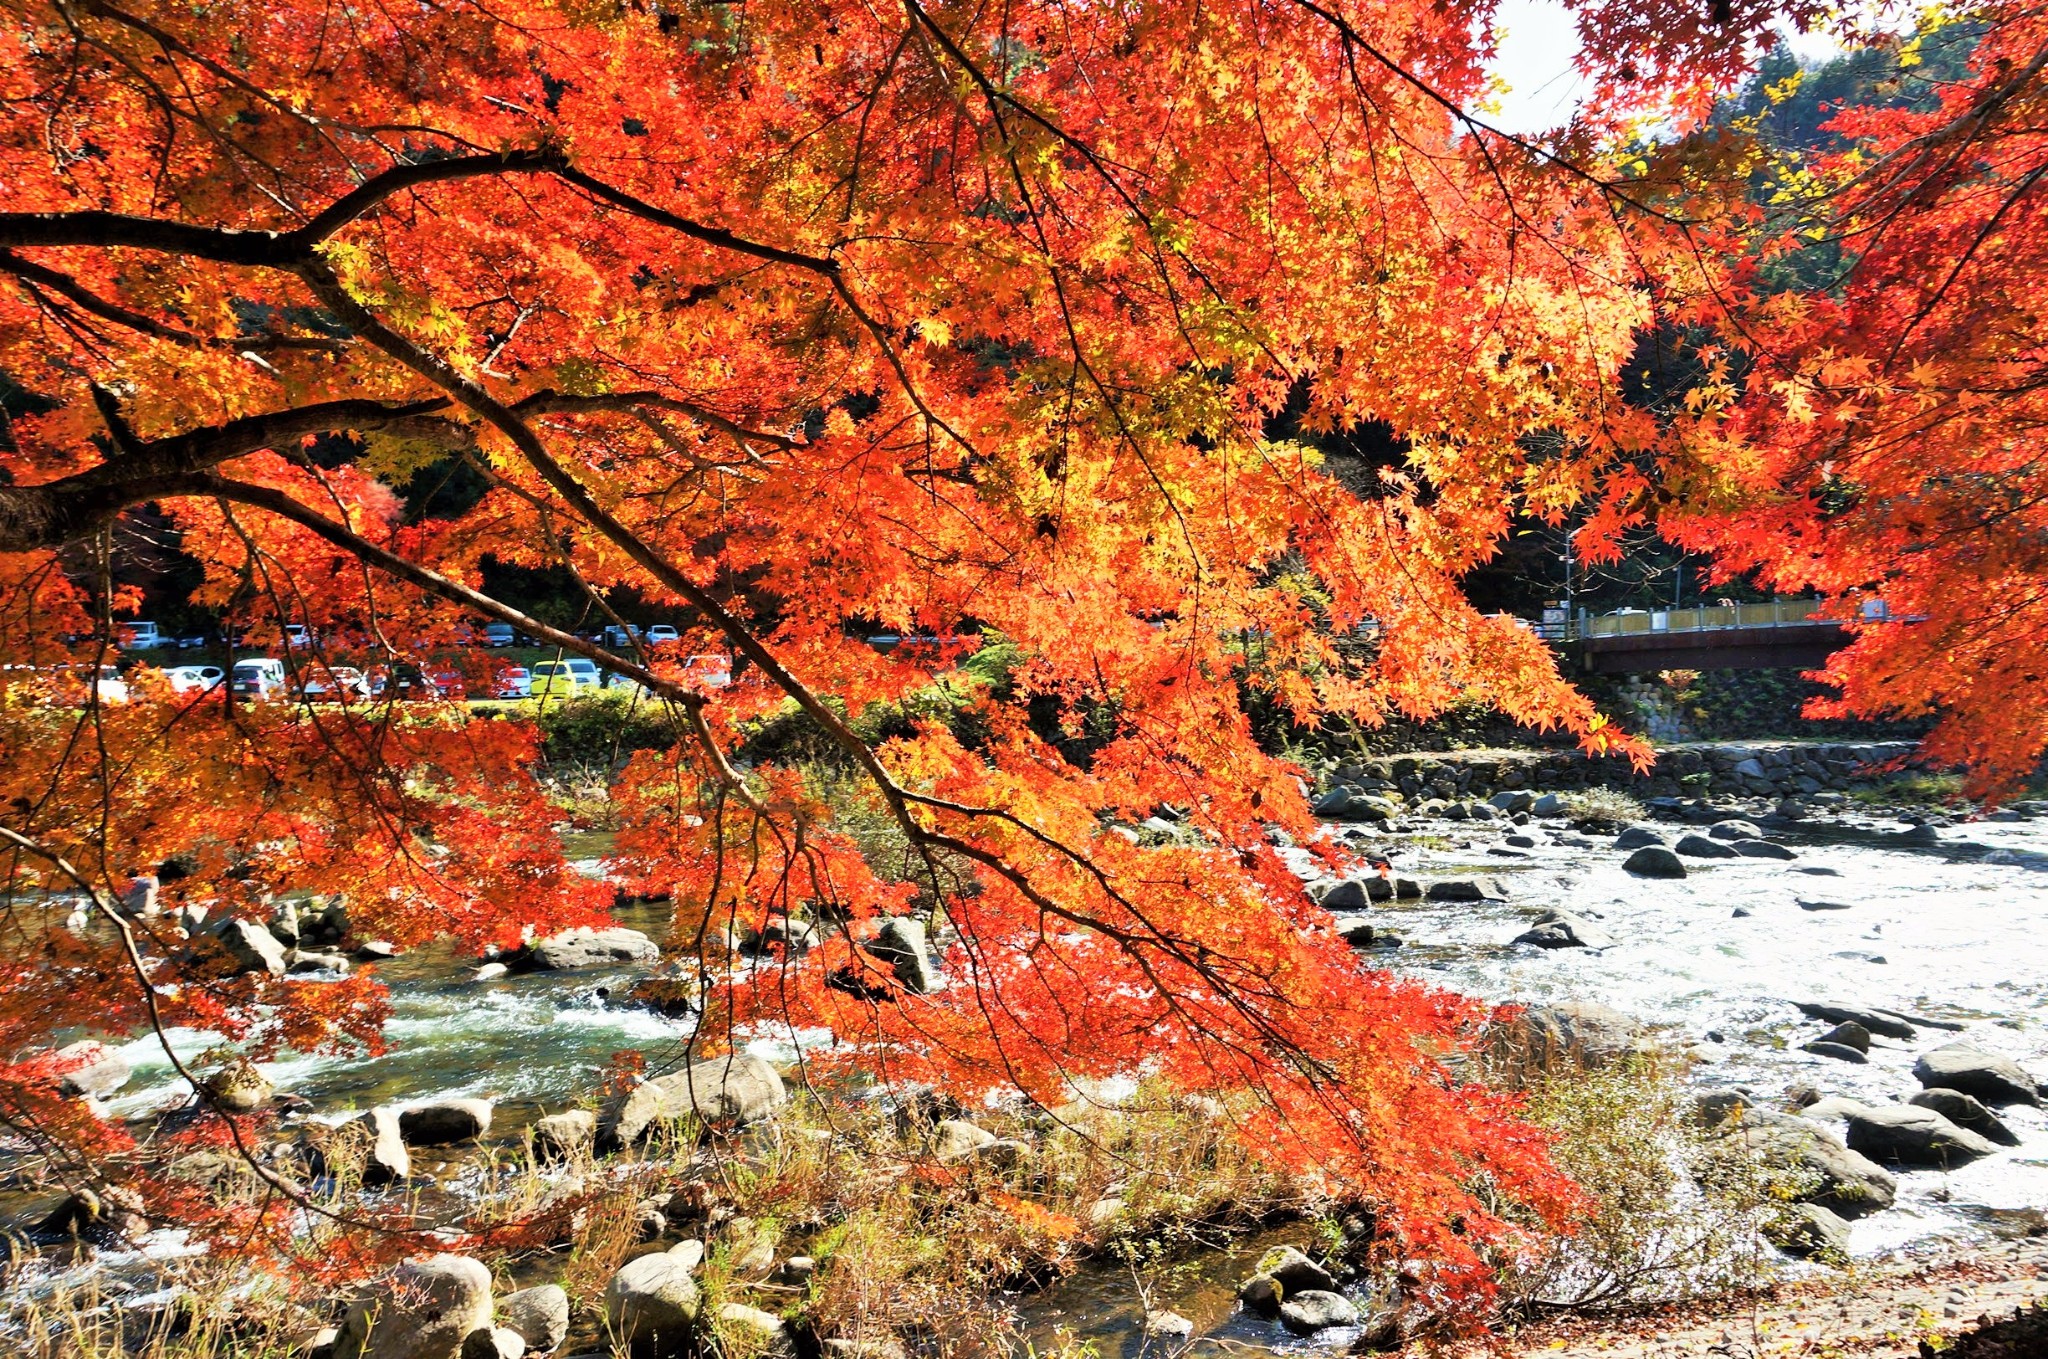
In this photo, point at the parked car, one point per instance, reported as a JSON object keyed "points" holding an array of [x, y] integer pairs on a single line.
{"points": [[618, 638], [511, 681], [198, 641], [298, 636], [613, 680], [341, 683], [259, 677], [105, 680], [499, 634], [395, 682], [564, 678], [195, 679], [662, 633], [447, 682], [708, 672], [140, 636]]}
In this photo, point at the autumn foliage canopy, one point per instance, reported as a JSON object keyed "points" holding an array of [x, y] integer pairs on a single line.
{"points": [[808, 320]]}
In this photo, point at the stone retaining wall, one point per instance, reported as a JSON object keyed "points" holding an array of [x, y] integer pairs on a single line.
{"points": [[1724, 768]]}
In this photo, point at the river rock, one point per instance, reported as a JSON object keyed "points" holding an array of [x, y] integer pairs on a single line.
{"points": [[1561, 929], [1512, 801], [1467, 889], [955, 1139], [901, 944], [1916, 1136], [721, 1091], [1876, 1021], [238, 1088], [539, 1315], [445, 1122], [313, 960], [1316, 1310], [1655, 861], [1355, 894], [90, 1070], [1849, 1034], [652, 1300], [755, 1331], [1170, 1326], [489, 972], [426, 1310], [1545, 1038], [612, 946], [1294, 1271], [1550, 804], [1637, 837], [1993, 1079], [1967, 1111], [1761, 849], [1260, 1295], [1846, 1182], [110, 1216], [494, 1342], [370, 1143], [1700, 847], [563, 1136], [1735, 829], [1807, 1230], [1840, 1052], [251, 947], [1355, 930]]}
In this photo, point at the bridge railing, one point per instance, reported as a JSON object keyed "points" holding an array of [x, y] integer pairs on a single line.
{"points": [[1705, 618]]}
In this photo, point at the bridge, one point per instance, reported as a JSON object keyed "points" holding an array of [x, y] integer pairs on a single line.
{"points": [[1778, 634]]}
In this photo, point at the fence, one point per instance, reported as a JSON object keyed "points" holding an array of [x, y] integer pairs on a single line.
{"points": [[1707, 618]]}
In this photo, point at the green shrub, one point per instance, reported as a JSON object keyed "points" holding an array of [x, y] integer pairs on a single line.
{"points": [[602, 728]]}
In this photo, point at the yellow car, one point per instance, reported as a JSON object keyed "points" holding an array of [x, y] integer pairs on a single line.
{"points": [[563, 679]]}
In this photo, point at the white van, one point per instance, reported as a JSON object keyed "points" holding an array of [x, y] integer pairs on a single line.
{"points": [[140, 636], [260, 678], [194, 679]]}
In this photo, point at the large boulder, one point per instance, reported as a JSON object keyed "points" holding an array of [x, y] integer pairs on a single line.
{"points": [[90, 1069], [955, 1139], [1655, 861], [613, 946], [251, 947], [1807, 1230], [1762, 849], [1637, 837], [425, 1310], [652, 1301], [368, 1146], [1546, 1038], [539, 1315], [1734, 829], [445, 1122], [1967, 1111], [494, 1342], [721, 1092], [1294, 1271], [1911, 1135], [1355, 894], [238, 1088], [1843, 1181], [1993, 1079], [901, 944], [1467, 889], [1562, 929]]}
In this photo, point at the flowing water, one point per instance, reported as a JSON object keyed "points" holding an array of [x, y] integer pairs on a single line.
{"points": [[1956, 931]]}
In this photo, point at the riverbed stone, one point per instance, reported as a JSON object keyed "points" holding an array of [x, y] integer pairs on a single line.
{"points": [[652, 1301], [1762, 849], [1991, 1078], [1636, 837], [1849, 1034], [757, 1332], [91, 1070], [1735, 829], [901, 943], [719, 1092], [1700, 847], [1168, 1325], [1875, 1021], [1916, 1136], [1840, 1052], [1260, 1295], [238, 1088], [1562, 929], [1844, 1181], [368, 1144], [1355, 894], [251, 947], [425, 1310], [955, 1139], [612, 946], [1967, 1111], [1808, 1230], [1316, 1310], [1294, 1271], [494, 1342], [444, 1122], [540, 1315], [1467, 889], [561, 1137], [1654, 861], [1547, 1038]]}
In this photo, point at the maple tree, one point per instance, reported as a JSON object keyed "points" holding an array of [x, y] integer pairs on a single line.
{"points": [[803, 320]]}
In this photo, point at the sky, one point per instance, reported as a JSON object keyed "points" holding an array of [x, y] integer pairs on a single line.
{"points": [[1538, 40]]}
